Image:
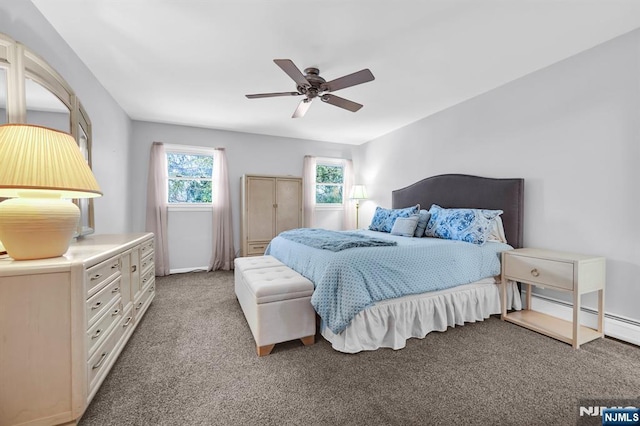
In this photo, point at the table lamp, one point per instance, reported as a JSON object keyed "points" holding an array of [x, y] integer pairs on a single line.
{"points": [[358, 192], [41, 169]]}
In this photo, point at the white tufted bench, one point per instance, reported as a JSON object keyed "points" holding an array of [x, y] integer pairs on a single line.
{"points": [[276, 301]]}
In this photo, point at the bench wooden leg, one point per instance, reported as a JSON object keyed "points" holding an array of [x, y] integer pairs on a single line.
{"points": [[309, 340], [264, 350]]}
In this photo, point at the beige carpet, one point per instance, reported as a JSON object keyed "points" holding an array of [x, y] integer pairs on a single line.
{"points": [[192, 361]]}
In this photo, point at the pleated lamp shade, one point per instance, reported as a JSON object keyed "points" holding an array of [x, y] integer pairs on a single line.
{"points": [[40, 170], [34, 158]]}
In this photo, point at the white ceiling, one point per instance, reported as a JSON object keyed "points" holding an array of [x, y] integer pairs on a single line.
{"points": [[192, 61]]}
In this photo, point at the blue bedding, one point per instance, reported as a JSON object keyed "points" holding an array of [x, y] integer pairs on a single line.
{"points": [[333, 240], [348, 281]]}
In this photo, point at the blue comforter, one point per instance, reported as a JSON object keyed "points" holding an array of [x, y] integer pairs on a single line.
{"points": [[348, 281]]}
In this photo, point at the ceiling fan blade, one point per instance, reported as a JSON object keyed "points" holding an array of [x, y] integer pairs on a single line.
{"points": [[302, 109], [270, 95], [341, 102], [359, 77], [292, 71]]}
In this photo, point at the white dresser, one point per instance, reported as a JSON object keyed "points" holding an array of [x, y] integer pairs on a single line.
{"points": [[64, 321]]}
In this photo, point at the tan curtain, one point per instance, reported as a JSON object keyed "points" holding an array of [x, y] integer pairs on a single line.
{"points": [[309, 190], [223, 252], [156, 220]]}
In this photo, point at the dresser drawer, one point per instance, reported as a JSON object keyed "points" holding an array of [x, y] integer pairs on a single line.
{"points": [[99, 363], [257, 248], [146, 248], [100, 302], [145, 298], [98, 332], [146, 264], [550, 273], [101, 273], [147, 278]]}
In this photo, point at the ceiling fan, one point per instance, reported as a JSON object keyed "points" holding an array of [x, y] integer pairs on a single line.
{"points": [[311, 86]]}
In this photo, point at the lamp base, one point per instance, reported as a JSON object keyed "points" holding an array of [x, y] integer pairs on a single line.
{"points": [[37, 228]]}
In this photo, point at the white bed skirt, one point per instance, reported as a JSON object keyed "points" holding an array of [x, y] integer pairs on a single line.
{"points": [[389, 323]]}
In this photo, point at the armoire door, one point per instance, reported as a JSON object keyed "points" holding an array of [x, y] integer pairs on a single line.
{"points": [[289, 204], [260, 208]]}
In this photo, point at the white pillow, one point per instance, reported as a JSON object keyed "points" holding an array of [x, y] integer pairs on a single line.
{"points": [[497, 232], [405, 226]]}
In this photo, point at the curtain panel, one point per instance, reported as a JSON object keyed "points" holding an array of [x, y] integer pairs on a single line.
{"points": [[156, 214], [223, 252], [349, 218], [309, 190]]}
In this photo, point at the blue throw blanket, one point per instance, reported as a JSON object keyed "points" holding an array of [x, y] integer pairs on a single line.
{"points": [[333, 240]]}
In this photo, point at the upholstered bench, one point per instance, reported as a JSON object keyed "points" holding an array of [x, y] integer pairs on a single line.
{"points": [[241, 264], [276, 301]]}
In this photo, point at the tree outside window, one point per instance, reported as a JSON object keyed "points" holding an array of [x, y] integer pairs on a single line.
{"points": [[329, 183], [190, 178]]}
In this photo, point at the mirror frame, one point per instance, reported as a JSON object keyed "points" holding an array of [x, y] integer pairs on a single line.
{"points": [[21, 63]]}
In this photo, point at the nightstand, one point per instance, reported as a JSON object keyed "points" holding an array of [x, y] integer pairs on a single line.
{"points": [[567, 272]]}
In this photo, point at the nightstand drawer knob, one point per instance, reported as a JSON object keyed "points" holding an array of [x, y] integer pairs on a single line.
{"points": [[535, 272]]}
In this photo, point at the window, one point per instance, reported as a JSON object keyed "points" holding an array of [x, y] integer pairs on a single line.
{"points": [[190, 177], [329, 183]]}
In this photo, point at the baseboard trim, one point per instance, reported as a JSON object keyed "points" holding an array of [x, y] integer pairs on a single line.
{"points": [[618, 327], [185, 270]]}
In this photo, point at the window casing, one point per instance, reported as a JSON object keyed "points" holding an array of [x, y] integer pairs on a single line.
{"points": [[189, 176], [330, 191]]}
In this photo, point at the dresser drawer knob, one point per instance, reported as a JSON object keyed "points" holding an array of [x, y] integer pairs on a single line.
{"points": [[96, 276], [535, 272], [96, 306], [116, 265], [96, 334], [126, 324], [139, 306], [102, 357], [115, 290], [134, 268], [115, 312]]}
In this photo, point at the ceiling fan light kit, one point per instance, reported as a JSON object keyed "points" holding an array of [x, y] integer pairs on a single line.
{"points": [[311, 86]]}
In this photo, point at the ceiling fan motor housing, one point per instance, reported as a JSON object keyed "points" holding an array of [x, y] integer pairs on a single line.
{"points": [[316, 83]]}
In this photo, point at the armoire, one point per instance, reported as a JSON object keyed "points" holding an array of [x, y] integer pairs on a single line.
{"points": [[269, 205]]}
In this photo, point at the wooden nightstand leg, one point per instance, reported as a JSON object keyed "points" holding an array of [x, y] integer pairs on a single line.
{"points": [[601, 312], [576, 319], [528, 297]]}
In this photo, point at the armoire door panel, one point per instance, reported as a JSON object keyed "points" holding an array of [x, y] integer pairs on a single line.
{"points": [[260, 208], [289, 201]]}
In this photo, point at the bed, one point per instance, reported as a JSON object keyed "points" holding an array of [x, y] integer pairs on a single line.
{"points": [[383, 314]]}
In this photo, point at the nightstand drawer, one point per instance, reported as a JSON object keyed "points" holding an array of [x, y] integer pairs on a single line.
{"points": [[543, 272]]}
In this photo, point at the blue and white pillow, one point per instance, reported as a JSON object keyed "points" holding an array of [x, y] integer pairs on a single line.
{"points": [[470, 225], [422, 223], [383, 219], [405, 226]]}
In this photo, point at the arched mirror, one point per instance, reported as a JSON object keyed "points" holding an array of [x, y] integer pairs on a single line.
{"points": [[46, 109], [3, 96], [34, 93]]}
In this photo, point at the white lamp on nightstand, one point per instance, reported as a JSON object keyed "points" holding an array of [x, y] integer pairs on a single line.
{"points": [[41, 169], [358, 192]]}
